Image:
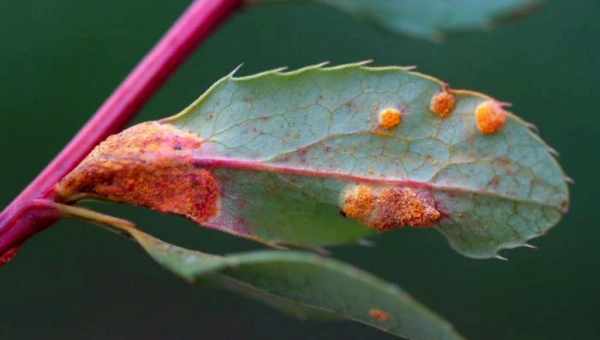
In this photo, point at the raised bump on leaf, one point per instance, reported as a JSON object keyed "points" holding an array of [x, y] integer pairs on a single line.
{"points": [[443, 103], [379, 314], [389, 118], [490, 117], [152, 165], [389, 208]]}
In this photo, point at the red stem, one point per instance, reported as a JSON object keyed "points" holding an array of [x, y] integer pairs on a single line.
{"points": [[23, 218]]}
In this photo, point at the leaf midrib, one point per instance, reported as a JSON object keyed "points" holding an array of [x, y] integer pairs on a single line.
{"points": [[258, 166]]}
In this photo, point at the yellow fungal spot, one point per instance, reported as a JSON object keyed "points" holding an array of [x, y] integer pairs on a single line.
{"points": [[490, 117], [389, 118], [387, 208], [443, 103]]}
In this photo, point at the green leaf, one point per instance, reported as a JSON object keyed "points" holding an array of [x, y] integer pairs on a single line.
{"points": [[306, 286], [426, 18], [281, 157]]}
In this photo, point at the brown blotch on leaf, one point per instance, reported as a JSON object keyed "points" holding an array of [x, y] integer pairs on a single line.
{"points": [[490, 117], [387, 208], [443, 103], [379, 315], [151, 165]]}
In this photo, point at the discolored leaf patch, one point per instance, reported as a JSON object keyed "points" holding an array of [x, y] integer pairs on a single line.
{"points": [[151, 165], [390, 207]]}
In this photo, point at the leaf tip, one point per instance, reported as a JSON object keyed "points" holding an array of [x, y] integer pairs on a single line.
{"points": [[501, 258], [530, 246], [234, 71], [553, 152]]}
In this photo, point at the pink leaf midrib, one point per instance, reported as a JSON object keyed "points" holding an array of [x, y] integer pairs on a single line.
{"points": [[215, 163]]}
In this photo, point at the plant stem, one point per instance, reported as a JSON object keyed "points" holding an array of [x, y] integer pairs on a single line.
{"points": [[23, 218]]}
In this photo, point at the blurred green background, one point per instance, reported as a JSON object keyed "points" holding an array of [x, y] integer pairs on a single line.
{"points": [[60, 59]]}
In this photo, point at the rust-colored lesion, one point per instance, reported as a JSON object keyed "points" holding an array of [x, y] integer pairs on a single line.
{"points": [[388, 208], [151, 165], [379, 314], [359, 202], [490, 117], [443, 103], [387, 120]]}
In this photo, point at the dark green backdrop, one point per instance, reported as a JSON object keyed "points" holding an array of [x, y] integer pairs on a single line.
{"points": [[61, 58]]}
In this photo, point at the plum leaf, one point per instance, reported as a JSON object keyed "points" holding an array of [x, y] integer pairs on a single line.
{"points": [[327, 155], [304, 285], [427, 19]]}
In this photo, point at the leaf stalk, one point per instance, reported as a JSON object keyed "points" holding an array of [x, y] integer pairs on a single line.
{"points": [[23, 217]]}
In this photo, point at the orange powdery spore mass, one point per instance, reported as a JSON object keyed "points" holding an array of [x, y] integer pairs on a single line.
{"points": [[490, 117], [359, 203], [388, 208], [152, 165], [389, 118], [379, 315], [443, 103]]}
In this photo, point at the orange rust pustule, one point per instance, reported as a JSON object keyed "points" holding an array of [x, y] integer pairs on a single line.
{"points": [[359, 203], [490, 117], [150, 164], [379, 315], [443, 103], [389, 208], [389, 118]]}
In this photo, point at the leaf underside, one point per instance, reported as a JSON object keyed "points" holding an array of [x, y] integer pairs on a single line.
{"points": [[286, 147], [306, 286], [426, 19], [498, 191]]}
